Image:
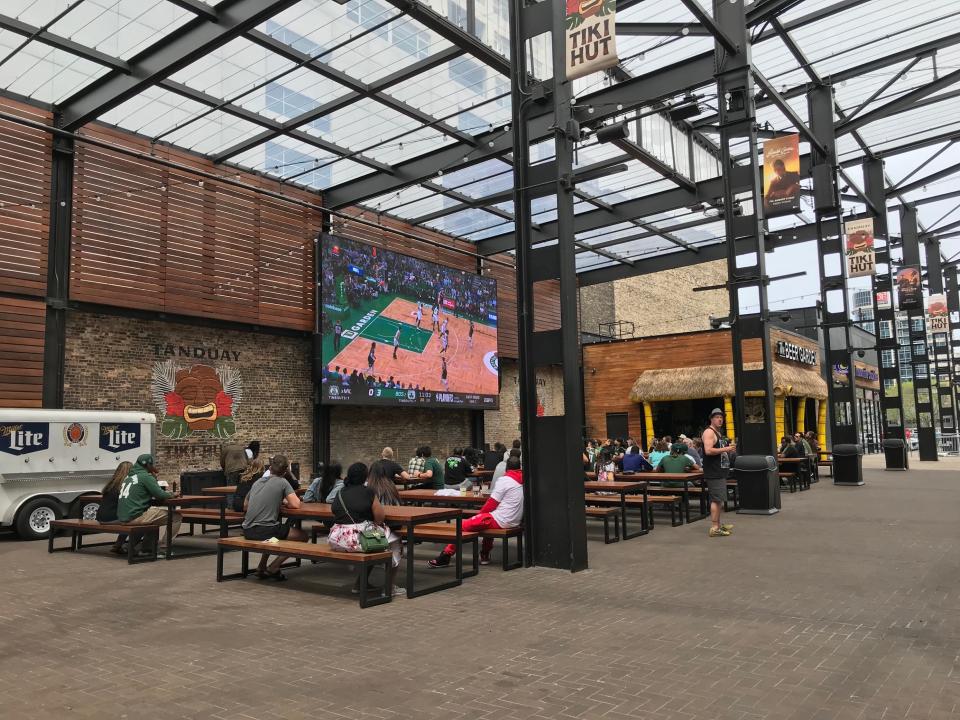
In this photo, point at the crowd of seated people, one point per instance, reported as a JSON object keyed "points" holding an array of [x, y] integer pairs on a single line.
{"points": [[607, 457]]}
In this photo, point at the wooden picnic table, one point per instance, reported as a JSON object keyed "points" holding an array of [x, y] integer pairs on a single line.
{"points": [[407, 515], [430, 496], [624, 488], [684, 478], [231, 489]]}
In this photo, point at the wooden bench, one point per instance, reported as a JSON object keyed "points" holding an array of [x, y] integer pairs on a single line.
{"points": [[306, 551], [204, 517], [445, 533], [78, 528], [671, 502], [505, 534], [826, 464], [605, 513]]}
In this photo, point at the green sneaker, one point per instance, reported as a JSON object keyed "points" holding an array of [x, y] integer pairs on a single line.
{"points": [[719, 532]]}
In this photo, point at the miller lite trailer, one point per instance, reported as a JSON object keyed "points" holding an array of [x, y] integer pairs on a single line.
{"points": [[50, 458]]}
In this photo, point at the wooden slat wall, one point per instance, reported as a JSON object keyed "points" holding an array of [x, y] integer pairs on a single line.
{"points": [[25, 197], [154, 238], [21, 352]]}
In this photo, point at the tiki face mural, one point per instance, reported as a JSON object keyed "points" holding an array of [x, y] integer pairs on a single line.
{"points": [[194, 399]]}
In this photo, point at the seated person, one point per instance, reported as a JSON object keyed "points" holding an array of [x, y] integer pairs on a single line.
{"points": [[456, 469], [636, 462], [354, 506], [788, 449], [136, 493], [606, 466], [380, 480], [416, 464], [432, 470], [660, 451], [503, 509], [501, 468], [801, 442], [391, 467], [262, 513], [253, 472], [107, 510], [677, 462]]}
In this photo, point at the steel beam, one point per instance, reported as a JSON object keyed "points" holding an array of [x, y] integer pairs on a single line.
{"points": [[453, 34], [706, 20], [46, 37], [645, 29], [901, 104], [763, 10], [932, 177], [642, 90], [188, 43], [654, 163]]}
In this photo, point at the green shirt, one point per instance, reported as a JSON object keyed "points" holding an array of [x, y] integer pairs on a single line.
{"points": [[431, 463], [675, 464], [136, 491]]}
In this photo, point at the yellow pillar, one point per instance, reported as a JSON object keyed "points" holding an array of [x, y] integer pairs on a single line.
{"points": [[648, 422], [801, 415], [778, 410], [728, 412], [822, 424]]}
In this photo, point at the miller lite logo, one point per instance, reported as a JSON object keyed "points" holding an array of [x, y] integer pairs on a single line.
{"points": [[24, 438], [119, 437]]}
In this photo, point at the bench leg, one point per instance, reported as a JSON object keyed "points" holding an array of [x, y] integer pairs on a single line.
{"points": [[219, 563], [244, 564], [616, 528], [507, 565], [386, 593], [77, 540]]}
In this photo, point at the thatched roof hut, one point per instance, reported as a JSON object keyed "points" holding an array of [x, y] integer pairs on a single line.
{"points": [[715, 381]]}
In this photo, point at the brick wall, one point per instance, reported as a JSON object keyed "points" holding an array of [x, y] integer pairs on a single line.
{"points": [[110, 363], [503, 425], [596, 306], [361, 433], [664, 302]]}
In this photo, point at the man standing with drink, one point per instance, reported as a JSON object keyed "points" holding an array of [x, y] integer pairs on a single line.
{"points": [[716, 468]]}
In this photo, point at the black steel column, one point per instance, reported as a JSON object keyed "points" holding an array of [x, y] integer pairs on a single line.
{"points": [[744, 226], [885, 313], [922, 392], [953, 306], [555, 524], [58, 270], [941, 370], [842, 401]]}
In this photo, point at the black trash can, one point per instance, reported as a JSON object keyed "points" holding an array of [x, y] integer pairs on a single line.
{"points": [[192, 482], [895, 454], [757, 484], [847, 465]]}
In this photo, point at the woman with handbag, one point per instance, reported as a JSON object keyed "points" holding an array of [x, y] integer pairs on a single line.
{"points": [[358, 522]]}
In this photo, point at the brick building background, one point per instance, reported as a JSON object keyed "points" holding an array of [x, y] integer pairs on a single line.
{"points": [[659, 303], [110, 362]]}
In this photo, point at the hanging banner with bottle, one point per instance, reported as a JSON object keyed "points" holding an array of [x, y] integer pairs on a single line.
{"points": [[781, 175], [938, 320], [909, 289], [591, 36], [861, 256]]}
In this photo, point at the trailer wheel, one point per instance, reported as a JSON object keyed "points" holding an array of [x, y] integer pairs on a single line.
{"points": [[33, 520], [84, 509]]}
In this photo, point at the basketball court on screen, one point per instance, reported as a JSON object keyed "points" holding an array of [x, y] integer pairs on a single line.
{"points": [[419, 358]]}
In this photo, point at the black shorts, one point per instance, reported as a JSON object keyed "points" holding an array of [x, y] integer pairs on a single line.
{"points": [[265, 532], [717, 487]]}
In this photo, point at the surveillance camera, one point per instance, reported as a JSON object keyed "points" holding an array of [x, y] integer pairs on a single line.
{"points": [[861, 353]]}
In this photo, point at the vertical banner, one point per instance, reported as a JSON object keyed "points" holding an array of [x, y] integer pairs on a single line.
{"points": [[938, 321], [591, 36], [908, 286], [861, 257], [781, 175]]}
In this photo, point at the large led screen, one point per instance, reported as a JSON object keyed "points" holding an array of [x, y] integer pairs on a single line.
{"points": [[396, 330]]}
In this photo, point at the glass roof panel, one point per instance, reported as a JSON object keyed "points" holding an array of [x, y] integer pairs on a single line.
{"points": [[232, 69], [121, 28], [153, 112], [465, 221], [506, 227], [213, 133], [43, 72], [385, 50], [301, 163], [398, 202], [456, 86], [480, 180]]}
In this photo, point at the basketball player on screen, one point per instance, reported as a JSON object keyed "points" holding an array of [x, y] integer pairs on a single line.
{"points": [[443, 372], [371, 358], [396, 342], [470, 336], [419, 312], [443, 326], [444, 339], [436, 318]]}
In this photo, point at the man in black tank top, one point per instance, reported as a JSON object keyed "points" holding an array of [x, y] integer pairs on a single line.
{"points": [[716, 468]]}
